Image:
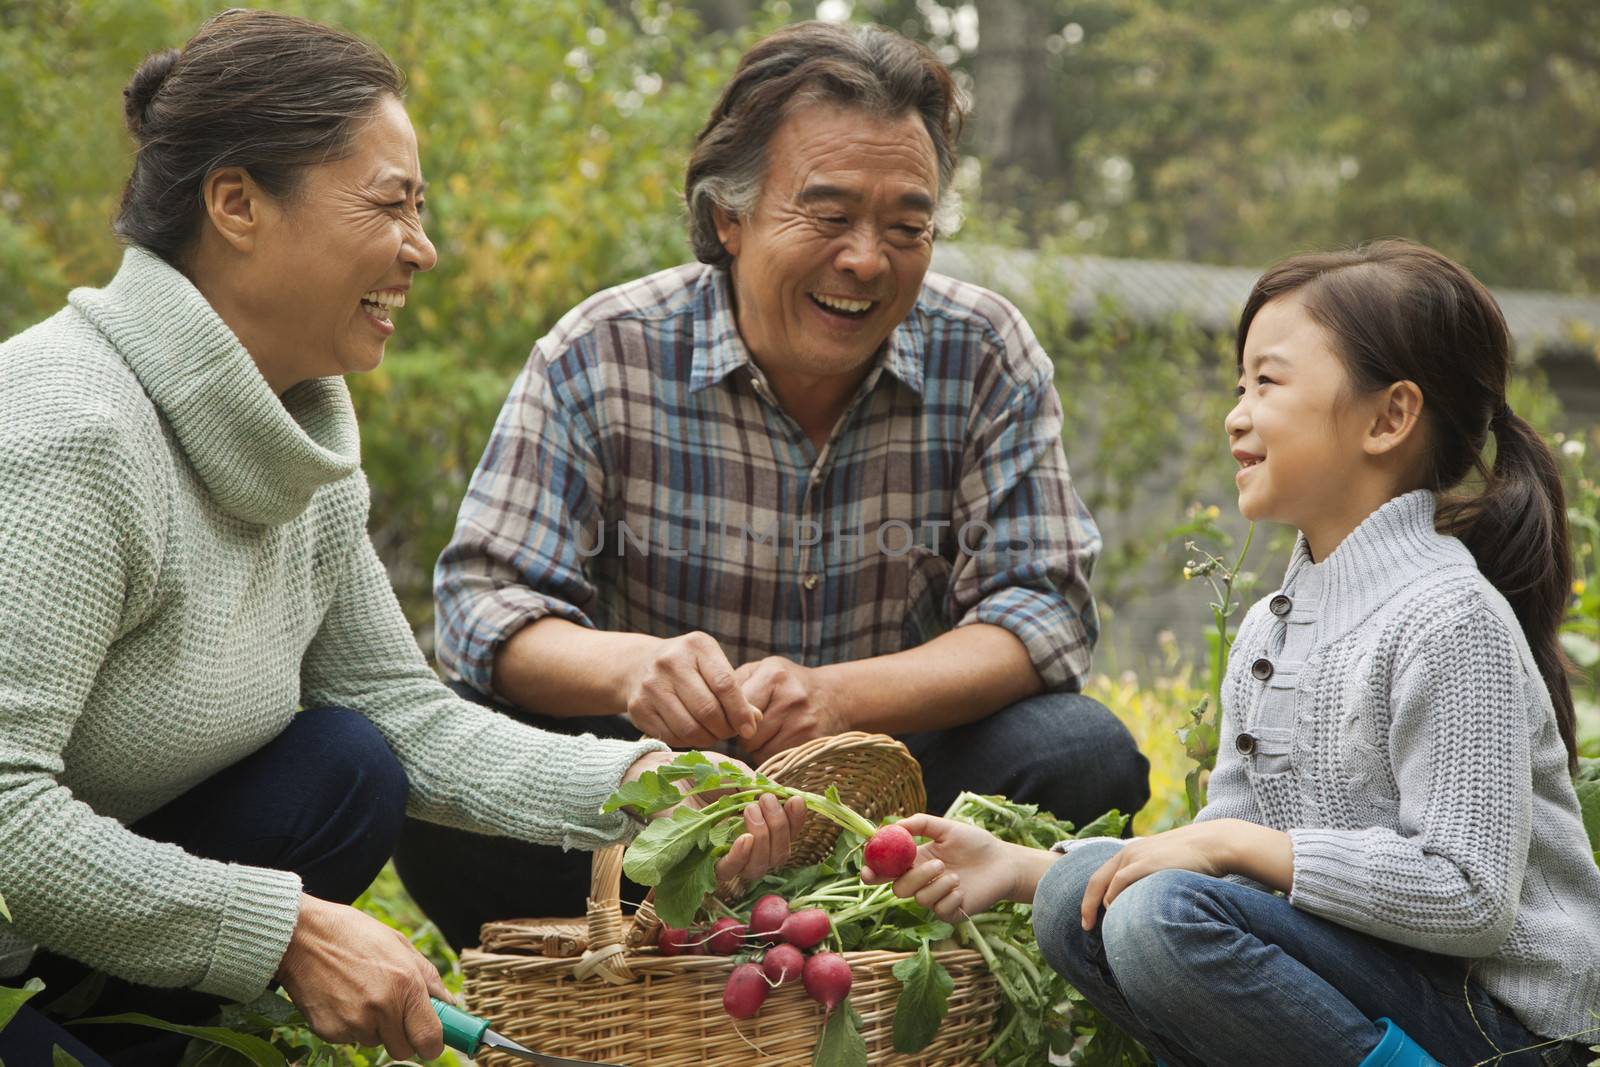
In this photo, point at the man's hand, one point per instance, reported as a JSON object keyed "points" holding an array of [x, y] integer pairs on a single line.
{"points": [[683, 692], [795, 702], [770, 827], [357, 981]]}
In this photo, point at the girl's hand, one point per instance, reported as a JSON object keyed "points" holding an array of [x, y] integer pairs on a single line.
{"points": [[1216, 848], [961, 871]]}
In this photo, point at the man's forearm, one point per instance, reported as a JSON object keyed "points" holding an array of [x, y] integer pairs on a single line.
{"points": [[958, 677], [555, 667]]}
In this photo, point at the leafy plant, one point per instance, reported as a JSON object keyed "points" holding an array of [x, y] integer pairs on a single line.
{"points": [[677, 854], [1041, 1010], [1200, 737], [1588, 784], [1580, 630], [1154, 708]]}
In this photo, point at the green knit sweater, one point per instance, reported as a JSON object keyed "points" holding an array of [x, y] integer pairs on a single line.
{"points": [[183, 563]]}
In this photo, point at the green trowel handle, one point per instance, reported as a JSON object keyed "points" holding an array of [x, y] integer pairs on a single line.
{"points": [[462, 1032]]}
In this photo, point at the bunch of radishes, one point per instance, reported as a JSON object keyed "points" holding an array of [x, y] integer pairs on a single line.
{"points": [[786, 936], [783, 937]]}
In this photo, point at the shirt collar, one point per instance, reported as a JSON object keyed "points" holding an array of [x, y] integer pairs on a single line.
{"points": [[719, 350]]}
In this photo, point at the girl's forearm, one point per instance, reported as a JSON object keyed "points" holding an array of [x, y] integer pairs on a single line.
{"points": [[1028, 866], [1259, 852]]}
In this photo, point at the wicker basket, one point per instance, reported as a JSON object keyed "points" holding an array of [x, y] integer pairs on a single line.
{"points": [[597, 989]]}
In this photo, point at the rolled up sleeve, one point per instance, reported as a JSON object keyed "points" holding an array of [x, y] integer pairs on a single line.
{"points": [[517, 553], [1030, 544]]}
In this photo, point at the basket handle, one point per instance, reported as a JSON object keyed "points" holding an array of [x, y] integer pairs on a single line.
{"points": [[605, 958]]}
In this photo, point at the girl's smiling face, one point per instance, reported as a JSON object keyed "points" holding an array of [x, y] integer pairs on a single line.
{"points": [[1297, 431]]}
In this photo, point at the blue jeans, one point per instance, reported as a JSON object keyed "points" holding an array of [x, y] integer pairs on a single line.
{"points": [[1061, 751], [1202, 970], [325, 799]]}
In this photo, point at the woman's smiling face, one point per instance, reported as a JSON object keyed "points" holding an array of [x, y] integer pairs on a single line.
{"points": [[340, 258]]}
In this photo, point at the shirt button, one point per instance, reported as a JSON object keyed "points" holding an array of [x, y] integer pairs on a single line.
{"points": [[1261, 669], [810, 581], [1280, 605], [1245, 743]]}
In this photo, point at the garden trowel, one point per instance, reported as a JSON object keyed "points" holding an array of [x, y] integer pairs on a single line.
{"points": [[470, 1034]]}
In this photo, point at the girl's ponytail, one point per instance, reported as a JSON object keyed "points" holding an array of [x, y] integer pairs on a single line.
{"points": [[1399, 311], [1516, 529]]}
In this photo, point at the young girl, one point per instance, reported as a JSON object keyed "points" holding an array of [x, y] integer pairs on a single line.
{"points": [[1397, 731]]}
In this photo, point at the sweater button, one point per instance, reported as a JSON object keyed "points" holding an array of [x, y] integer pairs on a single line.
{"points": [[1280, 605], [1261, 669], [1245, 743]]}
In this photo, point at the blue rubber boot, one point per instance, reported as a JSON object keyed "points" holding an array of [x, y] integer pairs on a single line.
{"points": [[1396, 1049]]}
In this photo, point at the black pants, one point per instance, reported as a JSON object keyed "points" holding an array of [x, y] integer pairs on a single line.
{"points": [[324, 799], [1063, 751]]}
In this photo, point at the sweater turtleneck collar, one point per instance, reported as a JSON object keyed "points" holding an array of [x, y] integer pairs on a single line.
{"points": [[261, 457], [1390, 549]]}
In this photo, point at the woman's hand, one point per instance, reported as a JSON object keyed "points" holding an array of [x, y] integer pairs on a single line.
{"points": [[962, 869], [1216, 848], [770, 826], [357, 981]]}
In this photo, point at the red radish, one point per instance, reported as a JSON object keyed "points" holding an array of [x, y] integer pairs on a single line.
{"points": [[806, 929], [827, 978], [768, 915], [745, 992], [672, 941], [783, 963], [727, 937], [891, 851]]}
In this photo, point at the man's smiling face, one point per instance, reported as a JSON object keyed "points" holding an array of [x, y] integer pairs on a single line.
{"points": [[833, 255]]}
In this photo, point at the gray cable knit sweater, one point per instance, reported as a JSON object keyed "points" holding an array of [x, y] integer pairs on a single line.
{"points": [[1384, 710], [183, 562]]}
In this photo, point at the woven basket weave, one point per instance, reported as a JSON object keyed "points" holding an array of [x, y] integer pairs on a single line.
{"points": [[597, 989]]}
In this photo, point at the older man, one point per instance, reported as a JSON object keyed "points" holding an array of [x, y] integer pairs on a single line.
{"points": [[800, 487]]}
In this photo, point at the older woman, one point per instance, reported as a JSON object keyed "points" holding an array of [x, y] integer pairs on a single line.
{"points": [[184, 564]]}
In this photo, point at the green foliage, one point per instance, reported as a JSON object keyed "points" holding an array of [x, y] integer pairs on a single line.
{"points": [[1588, 785], [841, 1044], [925, 988], [1580, 632], [554, 134], [1228, 131], [1040, 1010], [254, 1050], [1200, 738], [13, 998], [678, 854]]}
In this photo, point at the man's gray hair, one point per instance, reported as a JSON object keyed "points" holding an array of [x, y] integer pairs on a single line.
{"points": [[864, 67]]}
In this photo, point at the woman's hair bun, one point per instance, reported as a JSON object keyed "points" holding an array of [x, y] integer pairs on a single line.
{"points": [[146, 82]]}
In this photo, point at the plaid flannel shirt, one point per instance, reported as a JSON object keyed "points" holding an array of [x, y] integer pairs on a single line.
{"points": [[641, 477]]}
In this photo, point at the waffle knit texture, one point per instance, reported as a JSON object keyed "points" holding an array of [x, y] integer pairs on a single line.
{"points": [[1424, 783], [184, 563]]}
